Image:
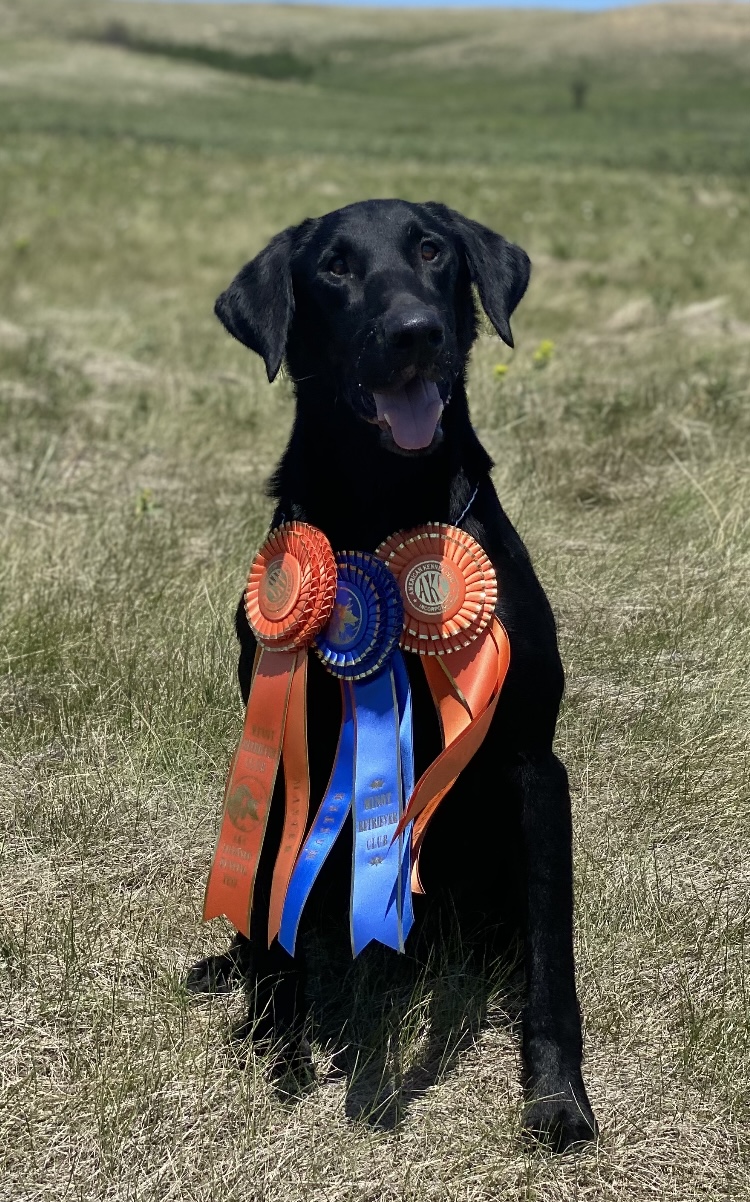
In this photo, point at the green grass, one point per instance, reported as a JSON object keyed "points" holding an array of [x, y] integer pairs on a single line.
{"points": [[135, 439]]}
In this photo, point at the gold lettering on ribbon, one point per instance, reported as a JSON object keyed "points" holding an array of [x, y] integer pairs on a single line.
{"points": [[377, 820], [253, 748], [376, 841], [374, 803]]}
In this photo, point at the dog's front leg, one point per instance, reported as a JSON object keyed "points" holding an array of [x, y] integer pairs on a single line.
{"points": [[274, 983], [222, 973], [559, 1111], [278, 1010]]}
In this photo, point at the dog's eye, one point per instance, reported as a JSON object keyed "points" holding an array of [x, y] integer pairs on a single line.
{"points": [[429, 251], [337, 266]]}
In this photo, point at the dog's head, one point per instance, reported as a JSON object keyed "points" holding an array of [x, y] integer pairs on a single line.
{"points": [[374, 302]]}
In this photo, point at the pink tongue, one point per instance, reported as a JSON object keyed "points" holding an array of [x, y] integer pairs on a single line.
{"points": [[412, 412]]}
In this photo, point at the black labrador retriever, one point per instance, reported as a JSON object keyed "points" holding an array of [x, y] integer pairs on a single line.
{"points": [[372, 308]]}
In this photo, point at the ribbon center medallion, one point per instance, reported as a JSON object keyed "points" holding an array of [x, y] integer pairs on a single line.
{"points": [[433, 587], [345, 626], [280, 587]]}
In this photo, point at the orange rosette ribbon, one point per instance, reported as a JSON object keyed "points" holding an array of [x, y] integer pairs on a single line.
{"points": [[289, 598], [449, 590]]}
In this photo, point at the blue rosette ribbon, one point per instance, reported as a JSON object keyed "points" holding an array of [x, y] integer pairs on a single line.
{"points": [[373, 773]]}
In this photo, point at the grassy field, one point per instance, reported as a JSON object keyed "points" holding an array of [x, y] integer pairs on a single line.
{"points": [[145, 152]]}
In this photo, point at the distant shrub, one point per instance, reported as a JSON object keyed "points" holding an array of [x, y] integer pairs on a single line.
{"points": [[579, 91], [273, 64]]}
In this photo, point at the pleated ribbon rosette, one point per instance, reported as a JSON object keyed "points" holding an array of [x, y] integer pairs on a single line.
{"points": [[289, 598], [432, 591], [449, 592], [373, 772]]}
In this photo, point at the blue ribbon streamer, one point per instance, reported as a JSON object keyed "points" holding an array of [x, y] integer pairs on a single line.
{"points": [[381, 903], [377, 894], [373, 773], [406, 753], [328, 824]]}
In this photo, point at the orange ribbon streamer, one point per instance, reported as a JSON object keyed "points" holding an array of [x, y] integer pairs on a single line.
{"points": [[289, 598], [247, 798], [449, 590], [297, 781], [466, 689]]}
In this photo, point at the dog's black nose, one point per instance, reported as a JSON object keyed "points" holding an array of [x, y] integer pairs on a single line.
{"points": [[417, 329]]}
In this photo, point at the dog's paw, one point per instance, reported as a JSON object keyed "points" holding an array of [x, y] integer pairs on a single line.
{"points": [[215, 974], [291, 1068], [561, 1120]]}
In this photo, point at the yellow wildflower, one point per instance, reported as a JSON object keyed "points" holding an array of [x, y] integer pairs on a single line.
{"points": [[543, 353]]}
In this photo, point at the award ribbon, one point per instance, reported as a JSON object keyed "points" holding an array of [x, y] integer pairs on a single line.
{"points": [[449, 591], [289, 598], [373, 773]]}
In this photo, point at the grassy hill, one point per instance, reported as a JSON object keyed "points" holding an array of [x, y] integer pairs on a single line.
{"points": [[145, 152], [664, 88]]}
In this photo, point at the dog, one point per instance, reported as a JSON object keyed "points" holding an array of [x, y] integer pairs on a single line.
{"points": [[372, 309]]}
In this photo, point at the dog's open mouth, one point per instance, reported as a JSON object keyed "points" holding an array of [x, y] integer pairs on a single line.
{"points": [[410, 413]]}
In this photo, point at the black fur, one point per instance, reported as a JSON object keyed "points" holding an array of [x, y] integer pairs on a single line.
{"points": [[499, 849]]}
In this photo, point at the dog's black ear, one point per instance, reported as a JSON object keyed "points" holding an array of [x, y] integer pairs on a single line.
{"points": [[258, 306], [499, 268]]}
